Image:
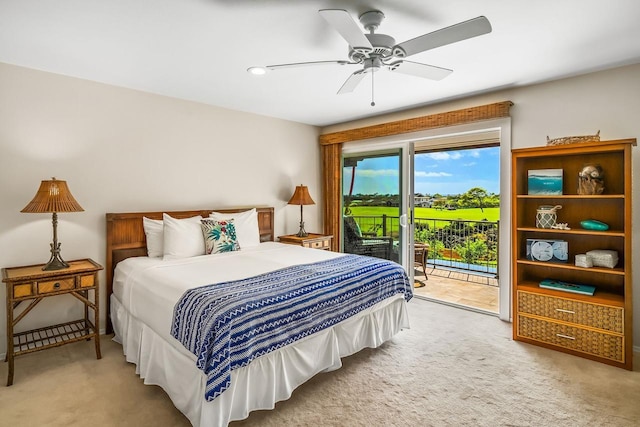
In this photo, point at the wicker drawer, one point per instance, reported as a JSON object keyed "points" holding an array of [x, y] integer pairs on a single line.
{"points": [[599, 344], [87, 281], [597, 316], [56, 285], [313, 241], [318, 244], [21, 290]]}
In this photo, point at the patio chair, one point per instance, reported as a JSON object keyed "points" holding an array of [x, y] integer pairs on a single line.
{"points": [[356, 243], [421, 254]]}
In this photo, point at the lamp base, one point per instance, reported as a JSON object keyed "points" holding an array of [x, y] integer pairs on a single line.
{"points": [[55, 262], [302, 232]]}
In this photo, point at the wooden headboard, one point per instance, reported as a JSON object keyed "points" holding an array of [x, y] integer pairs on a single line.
{"points": [[126, 238]]}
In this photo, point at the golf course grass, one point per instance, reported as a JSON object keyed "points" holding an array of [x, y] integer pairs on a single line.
{"points": [[471, 214]]}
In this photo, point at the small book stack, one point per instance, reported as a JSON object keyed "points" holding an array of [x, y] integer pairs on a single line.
{"points": [[567, 287]]}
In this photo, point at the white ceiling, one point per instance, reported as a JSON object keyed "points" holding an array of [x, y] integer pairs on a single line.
{"points": [[199, 49]]}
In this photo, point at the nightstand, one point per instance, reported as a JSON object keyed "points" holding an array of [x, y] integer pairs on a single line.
{"points": [[32, 284], [315, 241]]}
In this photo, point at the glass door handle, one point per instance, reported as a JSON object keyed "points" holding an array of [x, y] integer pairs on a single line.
{"points": [[403, 220]]}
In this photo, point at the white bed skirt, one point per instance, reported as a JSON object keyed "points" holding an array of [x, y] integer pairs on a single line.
{"points": [[268, 379]]}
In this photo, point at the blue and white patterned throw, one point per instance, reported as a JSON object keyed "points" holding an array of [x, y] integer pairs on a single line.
{"points": [[227, 325]]}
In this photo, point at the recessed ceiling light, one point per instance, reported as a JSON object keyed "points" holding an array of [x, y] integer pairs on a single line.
{"points": [[257, 71]]}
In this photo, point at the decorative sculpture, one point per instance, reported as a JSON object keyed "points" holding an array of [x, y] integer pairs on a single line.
{"points": [[591, 180]]}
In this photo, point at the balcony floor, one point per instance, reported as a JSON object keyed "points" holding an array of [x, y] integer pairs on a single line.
{"points": [[458, 287]]}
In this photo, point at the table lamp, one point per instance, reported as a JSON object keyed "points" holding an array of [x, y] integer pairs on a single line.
{"points": [[301, 197], [52, 197]]}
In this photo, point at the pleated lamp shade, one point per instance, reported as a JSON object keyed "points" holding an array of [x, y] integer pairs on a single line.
{"points": [[53, 196], [301, 196]]}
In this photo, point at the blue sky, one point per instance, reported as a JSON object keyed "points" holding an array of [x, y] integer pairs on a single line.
{"points": [[444, 172]]}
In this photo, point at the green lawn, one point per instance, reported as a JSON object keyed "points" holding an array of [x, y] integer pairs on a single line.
{"points": [[475, 214]]}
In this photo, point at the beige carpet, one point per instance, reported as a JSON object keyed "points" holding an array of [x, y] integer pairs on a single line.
{"points": [[452, 368]]}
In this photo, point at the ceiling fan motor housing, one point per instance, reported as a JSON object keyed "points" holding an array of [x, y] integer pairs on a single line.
{"points": [[382, 48]]}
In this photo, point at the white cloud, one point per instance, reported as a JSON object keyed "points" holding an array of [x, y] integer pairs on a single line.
{"points": [[444, 155], [423, 174], [375, 173], [469, 164]]}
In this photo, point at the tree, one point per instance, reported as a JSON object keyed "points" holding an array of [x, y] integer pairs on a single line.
{"points": [[439, 203], [476, 194]]}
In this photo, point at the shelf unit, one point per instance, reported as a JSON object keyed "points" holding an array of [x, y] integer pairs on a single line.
{"points": [[599, 326]]}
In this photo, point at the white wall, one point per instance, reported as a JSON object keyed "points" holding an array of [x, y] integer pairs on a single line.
{"points": [[122, 150], [608, 101]]}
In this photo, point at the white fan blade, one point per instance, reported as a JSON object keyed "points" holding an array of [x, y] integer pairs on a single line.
{"points": [[351, 83], [343, 23], [305, 64], [455, 33], [420, 70]]}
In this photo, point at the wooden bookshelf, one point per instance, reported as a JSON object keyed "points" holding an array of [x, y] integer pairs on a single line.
{"points": [[599, 326]]}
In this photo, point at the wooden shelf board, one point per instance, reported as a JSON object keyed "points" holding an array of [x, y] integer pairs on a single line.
{"points": [[599, 297], [570, 196], [566, 266], [610, 233]]}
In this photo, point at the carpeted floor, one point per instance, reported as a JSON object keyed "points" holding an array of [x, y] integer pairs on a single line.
{"points": [[452, 368]]}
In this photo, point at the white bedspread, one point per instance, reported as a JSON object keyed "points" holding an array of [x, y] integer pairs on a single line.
{"points": [[147, 289]]}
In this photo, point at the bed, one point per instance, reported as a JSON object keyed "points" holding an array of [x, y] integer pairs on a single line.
{"points": [[144, 294]]}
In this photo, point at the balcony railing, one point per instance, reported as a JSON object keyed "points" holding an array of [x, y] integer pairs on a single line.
{"points": [[457, 244]]}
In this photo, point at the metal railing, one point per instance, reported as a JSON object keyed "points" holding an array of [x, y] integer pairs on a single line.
{"points": [[456, 244]]}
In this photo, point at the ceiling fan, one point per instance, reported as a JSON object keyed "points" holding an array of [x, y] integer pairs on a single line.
{"points": [[375, 51]]}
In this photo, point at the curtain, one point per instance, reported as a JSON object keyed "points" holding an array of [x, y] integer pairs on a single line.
{"points": [[332, 192]]}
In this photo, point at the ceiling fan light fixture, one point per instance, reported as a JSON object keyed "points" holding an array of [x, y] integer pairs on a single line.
{"points": [[372, 65], [257, 71]]}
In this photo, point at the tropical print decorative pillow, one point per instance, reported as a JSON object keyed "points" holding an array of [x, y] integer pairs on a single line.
{"points": [[219, 236]]}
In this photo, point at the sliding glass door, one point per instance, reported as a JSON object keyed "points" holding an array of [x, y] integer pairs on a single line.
{"points": [[377, 198]]}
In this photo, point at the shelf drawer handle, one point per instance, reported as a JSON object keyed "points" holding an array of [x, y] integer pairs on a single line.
{"points": [[565, 311], [56, 285], [565, 336]]}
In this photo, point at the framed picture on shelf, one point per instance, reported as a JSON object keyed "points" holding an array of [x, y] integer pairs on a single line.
{"points": [[543, 182]]}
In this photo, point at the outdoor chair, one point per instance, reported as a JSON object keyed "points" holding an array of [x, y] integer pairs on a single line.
{"points": [[421, 254], [356, 243]]}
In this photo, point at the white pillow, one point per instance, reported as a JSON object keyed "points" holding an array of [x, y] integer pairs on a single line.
{"points": [[153, 229], [246, 224], [182, 237]]}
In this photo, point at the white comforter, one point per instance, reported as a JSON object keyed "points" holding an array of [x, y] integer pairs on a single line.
{"points": [[147, 289]]}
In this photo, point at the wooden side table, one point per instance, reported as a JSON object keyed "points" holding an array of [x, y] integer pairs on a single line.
{"points": [[315, 241], [31, 283]]}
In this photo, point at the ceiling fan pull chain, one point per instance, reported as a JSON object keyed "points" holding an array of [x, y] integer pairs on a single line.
{"points": [[373, 104]]}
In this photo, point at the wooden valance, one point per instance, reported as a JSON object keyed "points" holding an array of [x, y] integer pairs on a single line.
{"points": [[432, 121]]}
